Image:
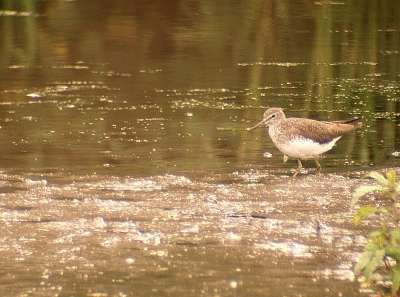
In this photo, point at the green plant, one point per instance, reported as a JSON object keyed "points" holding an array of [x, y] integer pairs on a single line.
{"points": [[381, 257]]}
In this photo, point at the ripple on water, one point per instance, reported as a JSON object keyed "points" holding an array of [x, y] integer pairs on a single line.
{"points": [[153, 222]]}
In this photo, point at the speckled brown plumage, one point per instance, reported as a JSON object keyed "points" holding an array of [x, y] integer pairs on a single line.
{"points": [[303, 138]]}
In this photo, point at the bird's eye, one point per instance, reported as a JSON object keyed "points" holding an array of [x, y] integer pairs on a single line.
{"points": [[273, 116]]}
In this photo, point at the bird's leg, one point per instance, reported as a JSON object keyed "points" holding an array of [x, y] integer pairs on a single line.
{"points": [[318, 166], [298, 169]]}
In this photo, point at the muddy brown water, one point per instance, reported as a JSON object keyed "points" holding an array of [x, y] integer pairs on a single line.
{"points": [[170, 235], [126, 168]]}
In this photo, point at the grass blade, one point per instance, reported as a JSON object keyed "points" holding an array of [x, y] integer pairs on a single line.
{"points": [[363, 190], [378, 177], [396, 281]]}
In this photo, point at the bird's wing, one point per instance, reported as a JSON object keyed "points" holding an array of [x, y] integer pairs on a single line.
{"points": [[321, 132]]}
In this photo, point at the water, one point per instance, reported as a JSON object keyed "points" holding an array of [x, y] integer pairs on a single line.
{"points": [[126, 166]]}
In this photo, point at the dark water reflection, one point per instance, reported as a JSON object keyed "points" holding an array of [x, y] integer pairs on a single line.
{"points": [[100, 91], [141, 89]]}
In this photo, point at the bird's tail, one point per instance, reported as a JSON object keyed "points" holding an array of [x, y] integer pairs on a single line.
{"points": [[354, 122]]}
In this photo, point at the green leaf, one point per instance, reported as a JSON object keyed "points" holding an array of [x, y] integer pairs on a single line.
{"points": [[398, 186], [362, 190], [377, 233], [393, 251], [378, 177], [385, 211], [391, 177], [371, 247], [364, 212], [395, 234], [375, 261], [365, 258], [395, 280]]}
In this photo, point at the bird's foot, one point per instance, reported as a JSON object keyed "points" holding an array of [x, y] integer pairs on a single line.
{"points": [[318, 166], [299, 170]]}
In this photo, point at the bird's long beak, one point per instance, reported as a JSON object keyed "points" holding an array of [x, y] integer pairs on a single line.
{"points": [[258, 125]]}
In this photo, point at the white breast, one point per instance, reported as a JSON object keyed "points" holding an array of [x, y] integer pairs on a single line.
{"points": [[304, 148]]}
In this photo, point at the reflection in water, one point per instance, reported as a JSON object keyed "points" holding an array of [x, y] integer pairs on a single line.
{"points": [[125, 96], [109, 90]]}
